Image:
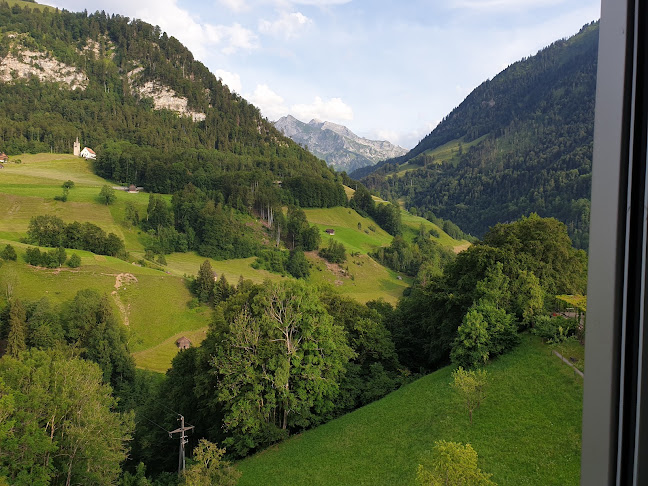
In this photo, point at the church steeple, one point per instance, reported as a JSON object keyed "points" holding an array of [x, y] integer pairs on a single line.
{"points": [[77, 148]]}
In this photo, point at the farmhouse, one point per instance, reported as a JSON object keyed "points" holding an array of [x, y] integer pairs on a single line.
{"points": [[329, 231], [4, 157], [88, 153], [183, 343]]}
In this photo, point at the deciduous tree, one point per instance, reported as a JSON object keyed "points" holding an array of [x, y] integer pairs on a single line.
{"points": [[208, 468], [470, 385], [452, 464]]}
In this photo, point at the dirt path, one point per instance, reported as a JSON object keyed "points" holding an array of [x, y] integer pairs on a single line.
{"points": [[122, 280]]}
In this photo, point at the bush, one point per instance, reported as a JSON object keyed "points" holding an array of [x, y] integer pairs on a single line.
{"points": [[74, 261], [68, 184], [50, 259], [107, 195], [9, 253], [63, 197], [334, 252], [271, 260], [297, 264], [554, 329]]}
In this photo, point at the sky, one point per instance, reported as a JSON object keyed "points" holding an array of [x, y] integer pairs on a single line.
{"points": [[387, 69]]}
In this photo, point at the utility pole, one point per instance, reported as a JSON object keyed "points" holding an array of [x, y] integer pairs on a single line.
{"points": [[183, 441]]}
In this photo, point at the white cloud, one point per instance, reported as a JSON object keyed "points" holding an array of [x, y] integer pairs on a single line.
{"points": [[236, 6], [270, 103], [234, 37], [288, 25], [406, 140], [232, 80], [178, 22], [503, 4], [321, 3], [334, 110]]}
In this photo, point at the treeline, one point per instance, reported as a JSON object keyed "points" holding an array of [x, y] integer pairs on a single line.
{"points": [[243, 181], [535, 124], [200, 221], [490, 292], [48, 230]]}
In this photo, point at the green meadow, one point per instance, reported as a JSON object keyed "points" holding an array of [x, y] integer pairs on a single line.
{"points": [[526, 432], [154, 303], [411, 225]]}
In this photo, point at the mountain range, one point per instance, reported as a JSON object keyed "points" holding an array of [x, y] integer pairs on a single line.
{"points": [[336, 144], [519, 143]]}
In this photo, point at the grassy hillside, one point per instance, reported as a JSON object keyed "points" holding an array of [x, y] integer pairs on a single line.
{"points": [[527, 431], [345, 223], [23, 4], [411, 225], [153, 304], [27, 189]]}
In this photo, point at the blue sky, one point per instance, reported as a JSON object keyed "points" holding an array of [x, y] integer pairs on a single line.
{"points": [[386, 69]]}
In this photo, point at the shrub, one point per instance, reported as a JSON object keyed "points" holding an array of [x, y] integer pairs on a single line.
{"points": [[68, 184], [107, 195], [554, 329], [334, 252], [74, 261], [9, 253]]}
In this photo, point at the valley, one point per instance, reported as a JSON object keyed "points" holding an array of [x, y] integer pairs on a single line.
{"points": [[198, 268], [28, 189]]}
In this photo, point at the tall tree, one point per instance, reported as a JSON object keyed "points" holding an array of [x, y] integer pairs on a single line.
{"points": [[17, 340], [279, 364], [204, 283]]}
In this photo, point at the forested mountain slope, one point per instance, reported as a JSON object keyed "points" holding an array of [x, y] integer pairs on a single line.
{"points": [[155, 116], [519, 143]]}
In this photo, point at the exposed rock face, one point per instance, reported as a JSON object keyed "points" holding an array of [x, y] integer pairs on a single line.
{"points": [[22, 62], [336, 144], [164, 98]]}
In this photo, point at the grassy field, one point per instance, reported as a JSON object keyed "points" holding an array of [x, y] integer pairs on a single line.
{"points": [[158, 358], [28, 189], [360, 278], [345, 223], [154, 303], [411, 225], [527, 431]]}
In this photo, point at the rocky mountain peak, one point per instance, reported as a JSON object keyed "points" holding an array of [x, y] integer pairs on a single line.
{"points": [[336, 144]]}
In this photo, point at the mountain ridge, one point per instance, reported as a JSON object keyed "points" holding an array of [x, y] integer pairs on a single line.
{"points": [[336, 144], [519, 143]]}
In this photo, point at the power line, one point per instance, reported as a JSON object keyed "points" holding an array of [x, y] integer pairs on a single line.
{"points": [[157, 425]]}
